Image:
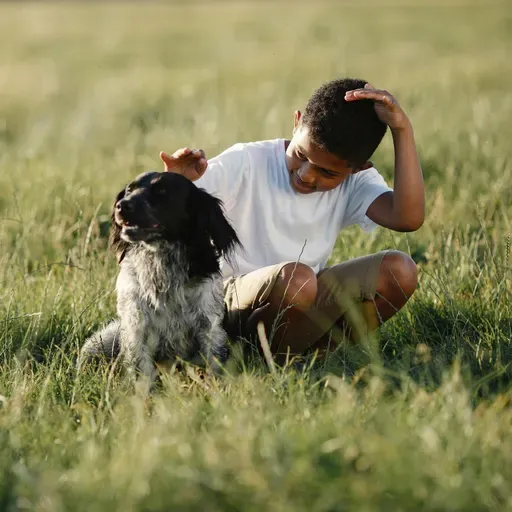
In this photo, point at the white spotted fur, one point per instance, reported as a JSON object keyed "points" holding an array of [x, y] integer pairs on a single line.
{"points": [[162, 314]]}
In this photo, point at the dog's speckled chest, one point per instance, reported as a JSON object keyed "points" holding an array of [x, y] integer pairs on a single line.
{"points": [[174, 309]]}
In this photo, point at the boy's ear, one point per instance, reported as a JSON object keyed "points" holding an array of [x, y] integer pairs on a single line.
{"points": [[366, 165], [296, 120]]}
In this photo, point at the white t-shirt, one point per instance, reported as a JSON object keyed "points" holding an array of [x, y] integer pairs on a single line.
{"points": [[273, 221]]}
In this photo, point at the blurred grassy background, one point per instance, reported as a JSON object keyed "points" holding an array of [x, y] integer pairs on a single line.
{"points": [[89, 95]]}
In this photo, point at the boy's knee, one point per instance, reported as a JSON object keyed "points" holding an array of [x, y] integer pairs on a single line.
{"points": [[296, 286], [398, 273]]}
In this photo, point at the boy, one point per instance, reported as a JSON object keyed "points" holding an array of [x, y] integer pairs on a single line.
{"points": [[288, 199]]}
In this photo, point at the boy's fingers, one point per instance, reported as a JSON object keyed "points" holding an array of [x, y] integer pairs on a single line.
{"points": [[181, 152], [199, 153], [187, 152], [369, 86], [170, 159], [366, 92], [167, 159], [370, 94], [203, 164], [181, 155]]}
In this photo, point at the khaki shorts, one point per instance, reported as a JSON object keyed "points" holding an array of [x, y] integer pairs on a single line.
{"points": [[355, 279]]}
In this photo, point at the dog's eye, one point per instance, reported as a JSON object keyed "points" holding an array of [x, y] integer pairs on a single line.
{"points": [[160, 191]]}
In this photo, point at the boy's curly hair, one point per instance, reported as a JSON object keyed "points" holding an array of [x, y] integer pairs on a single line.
{"points": [[350, 130]]}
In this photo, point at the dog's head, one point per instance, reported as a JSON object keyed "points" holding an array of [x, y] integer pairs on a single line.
{"points": [[167, 206]]}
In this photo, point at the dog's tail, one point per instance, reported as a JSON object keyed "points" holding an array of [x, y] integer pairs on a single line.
{"points": [[102, 345]]}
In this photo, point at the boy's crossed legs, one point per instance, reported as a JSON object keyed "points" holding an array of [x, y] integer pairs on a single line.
{"points": [[303, 311]]}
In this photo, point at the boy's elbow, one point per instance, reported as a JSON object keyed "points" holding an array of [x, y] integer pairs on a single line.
{"points": [[410, 225], [412, 220]]}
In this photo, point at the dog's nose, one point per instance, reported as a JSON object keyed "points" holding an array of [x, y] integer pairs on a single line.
{"points": [[124, 206]]}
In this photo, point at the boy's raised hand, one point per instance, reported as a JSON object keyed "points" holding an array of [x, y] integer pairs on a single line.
{"points": [[190, 163], [386, 106]]}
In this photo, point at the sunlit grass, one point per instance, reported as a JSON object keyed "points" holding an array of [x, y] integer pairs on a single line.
{"points": [[89, 94]]}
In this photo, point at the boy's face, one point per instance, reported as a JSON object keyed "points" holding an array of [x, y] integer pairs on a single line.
{"points": [[311, 168]]}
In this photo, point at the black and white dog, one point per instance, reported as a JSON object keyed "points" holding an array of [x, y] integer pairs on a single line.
{"points": [[168, 236]]}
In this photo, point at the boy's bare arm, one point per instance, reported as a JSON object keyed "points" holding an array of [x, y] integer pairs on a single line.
{"points": [[191, 163], [404, 208]]}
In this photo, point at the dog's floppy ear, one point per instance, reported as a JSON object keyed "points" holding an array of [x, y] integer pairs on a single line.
{"points": [[117, 245], [213, 222]]}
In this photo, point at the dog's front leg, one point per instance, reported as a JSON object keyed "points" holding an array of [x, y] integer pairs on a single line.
{"points": [[139, 349], [213, 343]]}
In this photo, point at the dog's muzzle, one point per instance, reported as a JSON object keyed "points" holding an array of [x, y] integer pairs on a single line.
{"points": [[134, 226]]}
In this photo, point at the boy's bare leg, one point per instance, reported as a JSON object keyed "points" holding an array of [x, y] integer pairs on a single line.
{"points": [[396, 283], [285, 313], [293, 325]]}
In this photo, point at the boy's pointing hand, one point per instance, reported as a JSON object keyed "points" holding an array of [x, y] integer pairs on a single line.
{"points": [[190, 163]]}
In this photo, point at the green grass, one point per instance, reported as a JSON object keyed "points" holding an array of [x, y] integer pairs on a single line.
{"points": [[89, 94]]}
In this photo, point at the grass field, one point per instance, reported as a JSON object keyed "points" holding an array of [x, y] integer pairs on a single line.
{"points": [[89, 94]]}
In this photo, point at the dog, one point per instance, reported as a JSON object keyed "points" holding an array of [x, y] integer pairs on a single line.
{"points": [[168, 236]]}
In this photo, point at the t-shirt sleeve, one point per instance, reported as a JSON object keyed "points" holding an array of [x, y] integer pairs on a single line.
{"points": [[366, 187], [225, 174]]}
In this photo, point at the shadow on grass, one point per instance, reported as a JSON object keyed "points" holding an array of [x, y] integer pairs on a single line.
{"points": [[30, 337], [422, 344], [425, 344]]}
